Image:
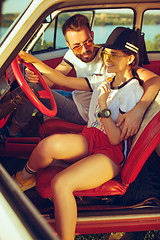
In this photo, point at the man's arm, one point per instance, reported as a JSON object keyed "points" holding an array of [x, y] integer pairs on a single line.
{"points": [[64, 68], [151, 86], [132, 119]]}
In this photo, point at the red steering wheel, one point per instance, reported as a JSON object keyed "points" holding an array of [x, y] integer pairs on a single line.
{"points": [[46, 93]]}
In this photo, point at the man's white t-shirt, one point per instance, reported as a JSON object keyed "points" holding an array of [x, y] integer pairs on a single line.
{"points": [[83, 69]]}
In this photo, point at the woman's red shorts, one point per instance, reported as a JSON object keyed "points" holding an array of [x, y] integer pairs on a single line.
{"points": [[98, 142]]}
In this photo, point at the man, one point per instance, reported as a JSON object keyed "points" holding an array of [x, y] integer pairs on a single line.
{"points": [[83, 56]]}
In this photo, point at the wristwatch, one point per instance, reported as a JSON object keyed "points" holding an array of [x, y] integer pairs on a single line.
{"points": [[106, 113]]}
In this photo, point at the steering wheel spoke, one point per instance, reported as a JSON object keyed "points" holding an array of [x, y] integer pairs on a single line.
{"points": [[43, 94]]}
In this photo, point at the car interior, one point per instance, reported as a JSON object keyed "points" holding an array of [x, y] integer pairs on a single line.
{"points": [[137, 188]]}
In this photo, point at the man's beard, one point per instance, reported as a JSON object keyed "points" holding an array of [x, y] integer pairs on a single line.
{"points": [[86, 59]]}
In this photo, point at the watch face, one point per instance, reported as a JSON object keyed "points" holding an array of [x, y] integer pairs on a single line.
{"points": [[107, 113]]}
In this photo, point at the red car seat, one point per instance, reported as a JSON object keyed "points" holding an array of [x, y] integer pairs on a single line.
{"points": [[143, 144]]}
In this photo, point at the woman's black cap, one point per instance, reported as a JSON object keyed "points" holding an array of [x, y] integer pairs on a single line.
{"points": [[123, 38]]}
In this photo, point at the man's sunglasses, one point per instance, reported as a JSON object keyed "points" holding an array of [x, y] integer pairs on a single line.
{"points": [[78, 48]]}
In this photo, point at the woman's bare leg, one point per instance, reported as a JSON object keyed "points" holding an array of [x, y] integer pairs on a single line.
{"points": [[68, 147], [87, 173]]}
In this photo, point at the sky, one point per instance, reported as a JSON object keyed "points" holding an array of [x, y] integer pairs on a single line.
{"points": [[12, 6]]}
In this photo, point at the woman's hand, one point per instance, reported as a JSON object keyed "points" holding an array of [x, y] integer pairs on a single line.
{"points": [[26, 57], [105, 90]]}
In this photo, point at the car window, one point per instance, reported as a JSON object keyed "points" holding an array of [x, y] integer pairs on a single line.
{"points": [[11, 10], [46, 41], [103, 21], [107, 20], [151, 28]]}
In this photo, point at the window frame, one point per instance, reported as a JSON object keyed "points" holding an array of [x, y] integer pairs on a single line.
{"points": [[93, 15], [148, 9]]}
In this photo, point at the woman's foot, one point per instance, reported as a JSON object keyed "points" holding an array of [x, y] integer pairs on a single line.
{"points": [[24, 184]]}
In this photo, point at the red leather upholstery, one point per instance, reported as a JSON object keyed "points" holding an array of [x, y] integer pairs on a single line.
{"points": [[144, 146], [52, 126], [154, 66]]}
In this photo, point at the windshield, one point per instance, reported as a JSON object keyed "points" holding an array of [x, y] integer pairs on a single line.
{"points": [[11, 11]]}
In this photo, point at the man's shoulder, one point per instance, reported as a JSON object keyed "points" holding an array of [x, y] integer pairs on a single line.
{"points": [[68, 54]]}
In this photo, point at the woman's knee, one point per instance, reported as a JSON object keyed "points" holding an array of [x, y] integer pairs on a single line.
{"points": [[50, 146], [58, 186], [62, 184]]}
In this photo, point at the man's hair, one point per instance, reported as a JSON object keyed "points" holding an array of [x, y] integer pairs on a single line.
{"points": [[76, 23]]}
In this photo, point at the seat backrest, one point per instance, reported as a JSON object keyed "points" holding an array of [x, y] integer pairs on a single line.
{"points": [[154, 66], [144, 142]]}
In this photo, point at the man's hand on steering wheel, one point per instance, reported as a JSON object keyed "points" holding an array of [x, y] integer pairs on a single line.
{"points": [[30, 76]]}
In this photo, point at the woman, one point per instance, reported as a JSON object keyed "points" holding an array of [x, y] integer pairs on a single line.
{"points": [[97, 154]]}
